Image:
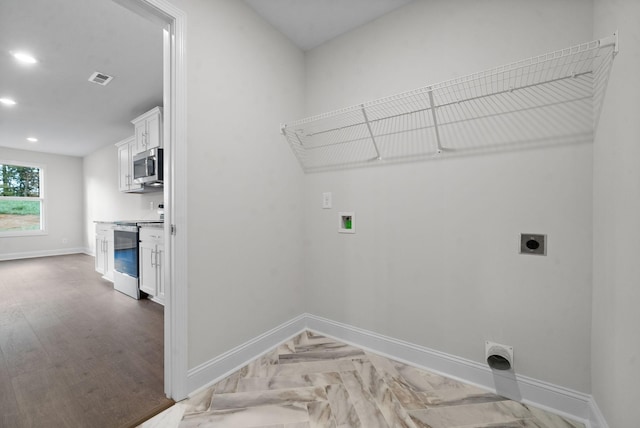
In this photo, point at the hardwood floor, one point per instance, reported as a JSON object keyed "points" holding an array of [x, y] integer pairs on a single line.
{"points": [[73, 351], [313, 381]]}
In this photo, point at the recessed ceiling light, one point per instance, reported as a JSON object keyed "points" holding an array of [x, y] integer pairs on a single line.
{"points": [[7, 101], [24, 57], [32, 139]]}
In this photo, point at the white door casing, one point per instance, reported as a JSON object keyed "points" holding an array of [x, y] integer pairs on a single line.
{"points": [[175, 189]]}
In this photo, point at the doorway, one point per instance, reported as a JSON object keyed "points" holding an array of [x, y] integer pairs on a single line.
{"points": [[175, 189]]}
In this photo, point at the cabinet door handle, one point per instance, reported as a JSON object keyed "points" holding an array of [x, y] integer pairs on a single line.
{"points": [[152, 258]]}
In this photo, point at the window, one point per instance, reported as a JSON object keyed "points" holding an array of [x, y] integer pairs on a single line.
{"points": [[21, 199]]}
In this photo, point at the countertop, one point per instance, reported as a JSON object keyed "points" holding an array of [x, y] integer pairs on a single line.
{"points": [[159, 223]]}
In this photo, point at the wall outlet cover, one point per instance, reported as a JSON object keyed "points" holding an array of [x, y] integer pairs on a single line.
{"points": [[326, 200], [532, 243]]}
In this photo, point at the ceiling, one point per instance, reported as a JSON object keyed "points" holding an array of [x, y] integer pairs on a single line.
{"points": [[309, 23], [72, 39]]}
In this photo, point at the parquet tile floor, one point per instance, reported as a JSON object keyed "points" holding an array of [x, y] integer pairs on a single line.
{"points": [[314, 381]]}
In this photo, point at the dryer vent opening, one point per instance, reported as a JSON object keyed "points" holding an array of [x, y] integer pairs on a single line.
{"points": [[499, 357]]}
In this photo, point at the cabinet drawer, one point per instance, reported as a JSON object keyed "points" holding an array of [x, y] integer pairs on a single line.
{"points": [[152, 234], [104, 229]]}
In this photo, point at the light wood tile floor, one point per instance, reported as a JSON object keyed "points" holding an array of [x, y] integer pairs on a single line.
{"points": [[314, 381]]}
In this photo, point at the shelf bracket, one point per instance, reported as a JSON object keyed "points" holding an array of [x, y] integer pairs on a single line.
{"points": [[373, 139], [435, 121], [610, 40]]}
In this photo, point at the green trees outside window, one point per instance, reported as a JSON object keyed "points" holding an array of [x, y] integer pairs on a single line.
{"points": [[20, 198]]}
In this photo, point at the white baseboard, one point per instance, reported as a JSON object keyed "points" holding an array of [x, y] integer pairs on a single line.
{"points": [[42, 253], [595, 415], [214, 370], [559, 400]]}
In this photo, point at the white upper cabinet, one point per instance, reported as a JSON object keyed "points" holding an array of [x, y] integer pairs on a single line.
{"points": [[125, 166], [148, 130]]}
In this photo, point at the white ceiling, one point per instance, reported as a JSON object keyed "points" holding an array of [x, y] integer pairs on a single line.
{"points": [[309, 23], [74, 38], [55, 101]]}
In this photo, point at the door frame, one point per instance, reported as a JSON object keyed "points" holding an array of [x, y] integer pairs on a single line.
{"points": [[175, 190]]}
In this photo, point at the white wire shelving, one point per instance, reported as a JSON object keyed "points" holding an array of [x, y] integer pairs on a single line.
{"points": [[546, 100]]}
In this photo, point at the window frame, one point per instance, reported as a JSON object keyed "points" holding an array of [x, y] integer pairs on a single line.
{"points": [[41, 199]]}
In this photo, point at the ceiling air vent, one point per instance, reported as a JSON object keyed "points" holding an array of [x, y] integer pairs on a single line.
{"points": [[100, 78]]}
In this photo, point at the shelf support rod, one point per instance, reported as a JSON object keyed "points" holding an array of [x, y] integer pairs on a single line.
{"points": [[435, 121], [373, 139]]}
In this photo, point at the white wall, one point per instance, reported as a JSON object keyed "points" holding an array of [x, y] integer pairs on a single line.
{"points": [[435, 258], [616, 294], [63, 207], [102, 199], [244, 200]]}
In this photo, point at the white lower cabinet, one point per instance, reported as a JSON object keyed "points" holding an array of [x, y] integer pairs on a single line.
{"points": [[151, 262], [104, 250]]}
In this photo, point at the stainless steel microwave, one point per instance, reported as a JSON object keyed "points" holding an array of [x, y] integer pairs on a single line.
{"points": [[147, 168]]}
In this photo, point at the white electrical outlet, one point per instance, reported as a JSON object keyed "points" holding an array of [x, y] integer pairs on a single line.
{"points": [[326, 200], [151, 205]]}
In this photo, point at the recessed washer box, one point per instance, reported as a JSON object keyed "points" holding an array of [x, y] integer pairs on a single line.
{"points": [[347, 222], [533, 243]]}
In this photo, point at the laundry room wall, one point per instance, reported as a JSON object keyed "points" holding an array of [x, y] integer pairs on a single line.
{"points": [[435, 258], [245, 188], [616, 295]]}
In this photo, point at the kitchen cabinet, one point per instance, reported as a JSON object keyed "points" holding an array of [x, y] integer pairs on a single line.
{"points": [[125, 166], [147, 130], [151, 250], [104, 250]]}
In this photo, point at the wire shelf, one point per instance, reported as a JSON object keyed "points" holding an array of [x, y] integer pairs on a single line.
{"points": [[545, 100]]}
